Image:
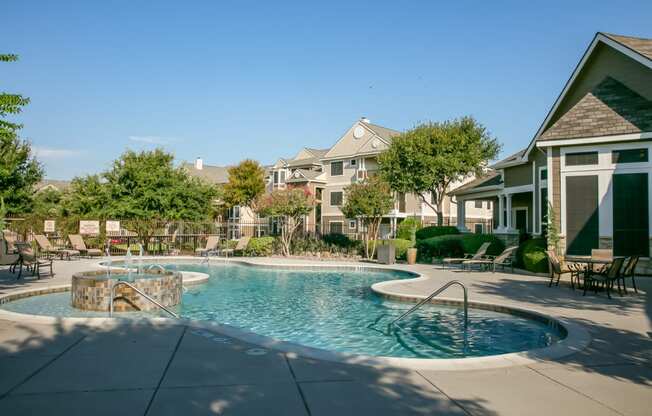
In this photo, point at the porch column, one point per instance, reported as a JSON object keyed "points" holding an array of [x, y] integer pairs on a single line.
{"points": [[461, 216], [501, 213], [509, 212]]}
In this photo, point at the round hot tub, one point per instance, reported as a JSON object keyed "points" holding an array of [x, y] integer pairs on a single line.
{"points": [[91, 291]]}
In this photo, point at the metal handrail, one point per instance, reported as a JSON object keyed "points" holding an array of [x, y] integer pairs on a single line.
{"points": [[432, 295], [141, 293]]}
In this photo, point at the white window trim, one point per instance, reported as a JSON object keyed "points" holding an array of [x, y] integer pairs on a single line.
{"points": [[330, 200], [330, 223], [354, 223], [481, 227], [605, 170]]}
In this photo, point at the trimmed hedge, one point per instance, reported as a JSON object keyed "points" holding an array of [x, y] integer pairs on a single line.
{"points": [[260, 246], [458, 245], [404, 229], [531, 255], [400, 247], [436, 231]]}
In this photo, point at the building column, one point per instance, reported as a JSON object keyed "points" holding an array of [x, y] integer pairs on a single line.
{"points": [[461, 216], [509, 224], [501, 214]]}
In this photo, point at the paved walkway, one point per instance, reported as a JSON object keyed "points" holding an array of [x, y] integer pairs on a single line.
{"points": [[160, 369]]}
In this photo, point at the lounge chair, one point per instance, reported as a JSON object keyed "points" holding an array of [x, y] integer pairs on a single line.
{"points": [[612, 274], [504, 259], [11, 238], [77, 243], [477, 256], [211, 245], [32, 263], [45, 247], [557, 269], [239, 247]]}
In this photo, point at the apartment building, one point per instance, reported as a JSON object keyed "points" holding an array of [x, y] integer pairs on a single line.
{"points": [[354, 158]]}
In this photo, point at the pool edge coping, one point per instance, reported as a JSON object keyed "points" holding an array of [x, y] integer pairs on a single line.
{"points": [[577, 337]]}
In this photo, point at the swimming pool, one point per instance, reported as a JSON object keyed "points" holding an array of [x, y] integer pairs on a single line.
{"points": [[333, 310]]}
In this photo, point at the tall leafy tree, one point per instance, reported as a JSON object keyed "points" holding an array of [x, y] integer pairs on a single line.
{"points": [[246, 183], [427, 159], [368, 201], [289, 207], [19, 169]]}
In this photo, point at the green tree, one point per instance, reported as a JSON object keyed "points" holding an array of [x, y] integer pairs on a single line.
{"points": [[368, 201], [246, 183], [143, 189], [427, 159], [288, 207], [19, 170]]}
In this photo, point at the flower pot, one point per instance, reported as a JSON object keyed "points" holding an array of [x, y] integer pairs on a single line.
{"points": [[411, 255]]}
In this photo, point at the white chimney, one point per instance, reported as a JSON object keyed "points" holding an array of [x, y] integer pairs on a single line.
{"points": [[365, 120], [199, 164]]}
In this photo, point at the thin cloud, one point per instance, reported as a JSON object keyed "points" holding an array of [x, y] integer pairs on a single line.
{"points": [[54, 153], [152, 139]]}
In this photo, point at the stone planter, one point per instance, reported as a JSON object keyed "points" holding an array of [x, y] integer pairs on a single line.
{"points": [[386, 253], [411, 255]]}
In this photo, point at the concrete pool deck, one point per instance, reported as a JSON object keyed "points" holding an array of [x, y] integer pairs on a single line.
{"points": [[165, 368]]}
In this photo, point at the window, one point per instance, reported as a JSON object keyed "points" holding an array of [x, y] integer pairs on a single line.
{"points": [[235, 212], [488, 204], [275, 177], [354, 162], [478, 228], [581, 159], [335, 227], [318, 193], [478, 203], [352, 224], [629, 156], [282, 177], [543, 174], [336, 199], [337, 169]]}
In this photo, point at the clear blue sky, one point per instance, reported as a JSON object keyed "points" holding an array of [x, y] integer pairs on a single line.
{"points": [[227, 80]]}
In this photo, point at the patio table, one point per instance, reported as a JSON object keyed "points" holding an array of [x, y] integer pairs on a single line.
{"points": [[590, 262]]}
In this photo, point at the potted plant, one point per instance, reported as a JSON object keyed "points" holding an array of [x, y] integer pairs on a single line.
{"points": [[412, 251]]}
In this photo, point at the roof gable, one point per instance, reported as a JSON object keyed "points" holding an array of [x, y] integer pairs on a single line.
{"points": [[349, 144], [641, 46], [608, 109]]}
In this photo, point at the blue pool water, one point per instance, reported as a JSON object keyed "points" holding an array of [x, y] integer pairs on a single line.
{"points": [[333, 310]]}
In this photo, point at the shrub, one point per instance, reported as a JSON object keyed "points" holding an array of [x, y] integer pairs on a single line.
{"points": [[531, 255], [436, 231], [400, 246], [338, 240], [458, 245], [260, 246], [404, 229]]}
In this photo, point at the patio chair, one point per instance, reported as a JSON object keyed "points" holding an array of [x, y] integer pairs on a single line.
{"points": [[557, 269], [630, 271], [7, 257], [607, 279], [32, 263], [11, 238], [211, 245], [77, 243], [504, 259], [45, 247], [239, 247], [477, 256], [602, 254]]}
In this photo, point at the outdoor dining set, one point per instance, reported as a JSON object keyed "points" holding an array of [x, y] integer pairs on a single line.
{"points": [[600, 270]]}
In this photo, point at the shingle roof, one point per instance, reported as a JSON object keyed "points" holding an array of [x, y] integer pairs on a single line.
{"points": [[212, 174], [610, 108], [60, 185], [490, 179], [303, 162], [319, 153], [511, 158], [640, 45], [383, 132]]}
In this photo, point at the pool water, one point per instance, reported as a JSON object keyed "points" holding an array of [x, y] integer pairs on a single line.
{"points": [[333, 310]]}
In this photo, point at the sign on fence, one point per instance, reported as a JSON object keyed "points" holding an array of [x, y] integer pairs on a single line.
{"points": [[91, 227], [49, 226], [113, 226]]}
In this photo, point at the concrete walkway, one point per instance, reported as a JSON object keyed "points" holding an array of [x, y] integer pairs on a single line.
{"points": [[152, 369]]}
